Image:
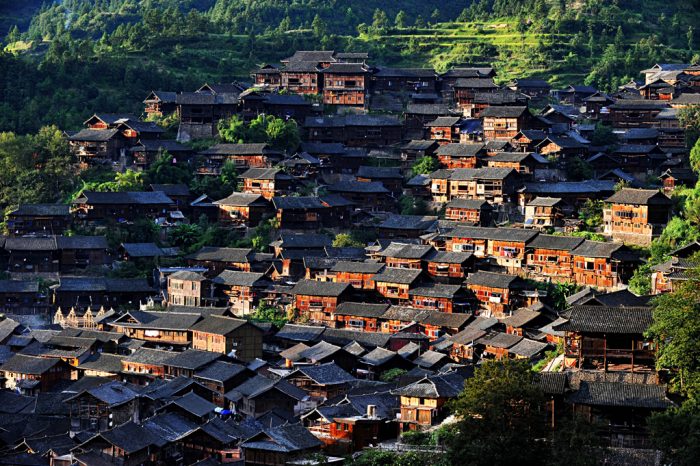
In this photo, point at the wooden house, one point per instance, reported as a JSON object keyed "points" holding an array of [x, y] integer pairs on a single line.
{"points": [[33, 374], [456, 155], [372, 196], [160, 103], [83, 292], [465, 89], [504, 123], [163, 329], [640, 158], [220, 377], [418, 114], [259, 395], [423, 402], [218, 259], [386, 79], [103, 407], [469, 211], [395, 283], [93, 206], [144, 365], [243, 156], [405, 256], [495, 185], [506, 246], [242, 291], [187, 288], [267, 76], [624, 408], [49, 219], [609, 338], [242, 209], [574, 94], [595, 103], [228, 336], [358, 274], [355, 130], [189, 361], [444, 130], [626, 113], [401, 318], [416, 149], [561, 147], [96, 147], [280, 446], [552, 257], [525, 163], [201, 111], [603, 265], [674, 177], [544, 212], [364, 317], [636, 216], [528, 139], [345, 84], [321, 382], [498, 98], [268, 182], [448, 267], [535, 88], [319, 300], [667, 275], [303, 212], [21, 297], [390, 177], [439, 297], [146, 151], [497, 293]]}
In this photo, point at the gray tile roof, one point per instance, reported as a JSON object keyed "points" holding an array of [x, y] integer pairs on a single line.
{"points": [[615, 394], [406, 251], [317, 288], [639, 197], [493, 280], [192, 359], [409, 222], [612, 320], [361, 309], [213, 253], [561, 243], [43, 210], [218, 325], [395, 275], [325, 374], [238, 278]]}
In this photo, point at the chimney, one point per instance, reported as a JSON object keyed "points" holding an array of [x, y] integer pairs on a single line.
{"points": [[371, 411]]}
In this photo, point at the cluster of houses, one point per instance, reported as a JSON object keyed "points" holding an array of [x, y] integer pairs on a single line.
{"points": [[369, 341]]}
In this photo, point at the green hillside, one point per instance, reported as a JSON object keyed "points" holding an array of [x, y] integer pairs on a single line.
{"points": [[87, 55]]}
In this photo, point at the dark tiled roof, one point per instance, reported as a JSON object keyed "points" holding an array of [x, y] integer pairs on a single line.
{"points": [[367, 339], [286, 439], [238, 278], [265, 174], [380, 172], [316, 288], [493, 280], [236, 149], [445, 319], [500, 340], [43, 210], [528, 348], [617, 394], [305, 240], [142, 249], [475, 83], [326, 374], [596, 249], [301, 202], [218, 325], [542, 201], [374, 187], [447, 257], [551, 383], [406, 251], [378, 357], [357, 267], [361, 309], [603, 319], [126, 197], [94, 135], [192, 359], [395, 275], [503, 112], [28, 364], [562, 243], [300, 332], [212, 253], [437, 386], [242, 200], [639, 197], [493, 234], [436, 290], [460, 150]]}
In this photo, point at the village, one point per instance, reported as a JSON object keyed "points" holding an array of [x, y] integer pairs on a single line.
{"points": [[475, 201]]}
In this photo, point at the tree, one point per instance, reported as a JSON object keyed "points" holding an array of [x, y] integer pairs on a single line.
{"points": [[424, 165], [380, 22], [318, 26], [344, 240], [676, 329], [271, 314], [232, 129], [166, 171], [13, 36], [695, 157], [676, 433], [577, 169], [500, 417], [591, 213], [400, 21], [603, 135], [640, 283]]}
